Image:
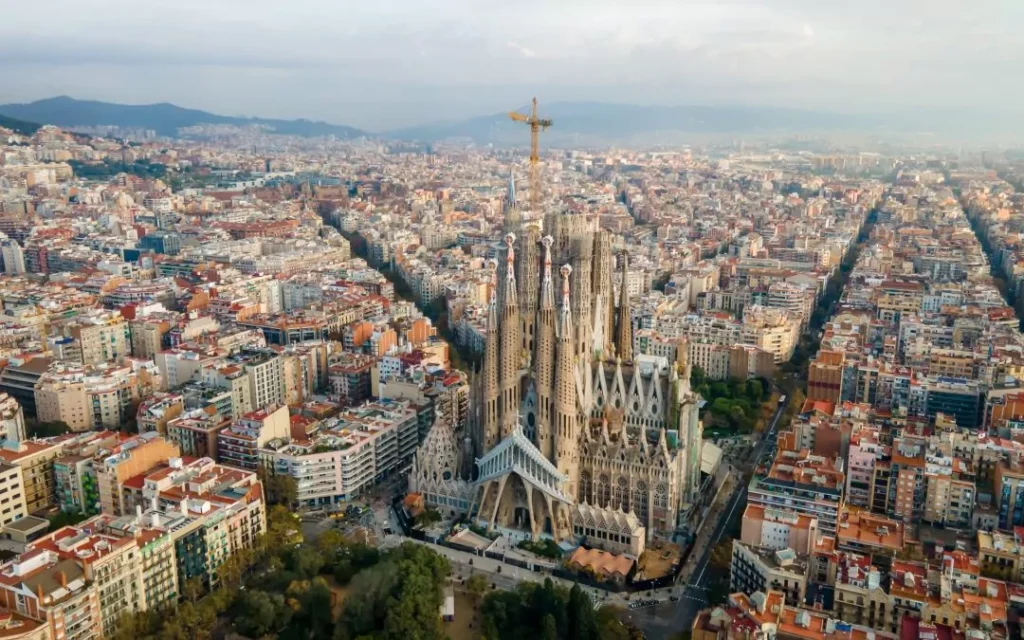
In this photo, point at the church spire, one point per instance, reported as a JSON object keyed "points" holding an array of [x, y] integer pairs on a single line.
{"points": [[513, 217], [510, 347], [566, 419], [544, 360], [547, 287], [624, 336], [489, 427], [511, 298]]}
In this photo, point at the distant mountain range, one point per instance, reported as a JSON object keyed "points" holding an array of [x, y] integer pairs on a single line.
{"points": [[594, 120], [164, 118], [575, 123]]}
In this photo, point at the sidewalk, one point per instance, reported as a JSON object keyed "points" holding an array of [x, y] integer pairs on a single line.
{"points": [[708, 526]]}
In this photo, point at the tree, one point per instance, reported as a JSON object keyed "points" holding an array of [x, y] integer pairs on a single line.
{"points": [[193, 589], [230, 572], [427, 518], [400, 595], [331, 542], [283, 530], [548, 629], [280, 489], [258, 613], [609, 624], [47, 429], [310, 601], [141, 624], [304, 562], [477, 586], [66, 519], [582, 624]]}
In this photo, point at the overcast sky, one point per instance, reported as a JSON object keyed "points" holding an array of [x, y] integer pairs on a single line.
{"points": [[384, 63]]}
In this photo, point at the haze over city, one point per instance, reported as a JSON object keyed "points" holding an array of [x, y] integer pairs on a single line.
{"points": [[380, 65]]}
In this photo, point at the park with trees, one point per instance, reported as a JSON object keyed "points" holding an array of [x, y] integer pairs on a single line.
{"points": [[288, 589], [732, 406]]}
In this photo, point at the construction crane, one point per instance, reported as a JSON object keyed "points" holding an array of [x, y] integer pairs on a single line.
{"points": [[537, 124]]}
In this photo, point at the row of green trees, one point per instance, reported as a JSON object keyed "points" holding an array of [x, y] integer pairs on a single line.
{"points": [[546, 611], [108, 168]]}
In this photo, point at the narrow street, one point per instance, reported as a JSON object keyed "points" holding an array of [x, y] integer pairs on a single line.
{"points": [[673, 617]]}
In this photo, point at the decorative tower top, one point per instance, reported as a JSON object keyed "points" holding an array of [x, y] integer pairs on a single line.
{"points": [[513, 218], [510, 270], [492, 311], [624, 339], [547, 288], [566, 324], [566, 271]]}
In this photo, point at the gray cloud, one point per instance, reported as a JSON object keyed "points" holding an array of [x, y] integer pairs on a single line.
{"points": [[396, 62]]}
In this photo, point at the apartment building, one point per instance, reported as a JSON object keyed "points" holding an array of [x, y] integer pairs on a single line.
{"points": [[754, 568], [233, 379], [350, 378], [773, 330], [35, 458], [88, 397], [155, 543], [12, 494], [75, 484], [1001, 553], [156, 411], [1009, 490], [77, 583], [110, 566], [265, 370], [802, 483], [54, 593], [870, 535], [825, 376], [149, 335], [129, 458], [102, 336], [349, 454], [778, 529], [239, 445], [196, 432], [211, 510]]}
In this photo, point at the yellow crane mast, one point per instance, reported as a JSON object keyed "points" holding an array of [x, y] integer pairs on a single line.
{"points": [[537, 124]]}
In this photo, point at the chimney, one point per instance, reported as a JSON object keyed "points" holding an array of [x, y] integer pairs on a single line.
{"points": [[155, 519], [63, 577], [39, 592], [153, 504], [184, 507], [138, 513]]}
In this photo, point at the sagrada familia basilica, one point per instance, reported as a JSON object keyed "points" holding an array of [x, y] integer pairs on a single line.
{"points": [[571, 434]]}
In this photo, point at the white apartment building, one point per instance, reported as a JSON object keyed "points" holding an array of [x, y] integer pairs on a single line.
{"points": [[354, 451]]}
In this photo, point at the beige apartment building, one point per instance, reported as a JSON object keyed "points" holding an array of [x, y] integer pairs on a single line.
{"points": [[127, 460], [147, 336], [85, 398], [773, 330], [103, 336], [35, 460]]}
